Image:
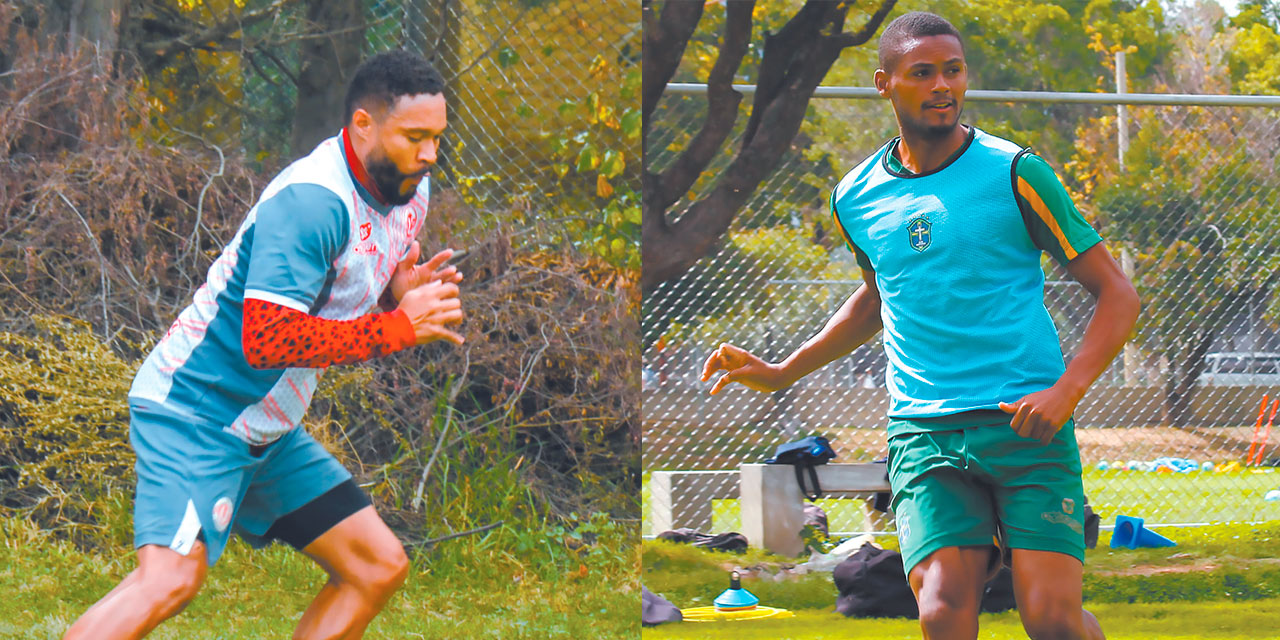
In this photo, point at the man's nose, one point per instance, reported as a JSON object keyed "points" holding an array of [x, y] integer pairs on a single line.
{"points": [[941, 84], [427, 152]]}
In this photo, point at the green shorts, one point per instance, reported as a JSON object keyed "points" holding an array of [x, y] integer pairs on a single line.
{"points": [[966, 486]]}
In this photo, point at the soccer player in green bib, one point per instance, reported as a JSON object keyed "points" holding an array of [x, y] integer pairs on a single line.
{"points": [[948, 224]]}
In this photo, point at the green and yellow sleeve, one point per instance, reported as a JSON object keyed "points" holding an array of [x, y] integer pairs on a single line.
{"points": [[1053, 221], [863, 260]]}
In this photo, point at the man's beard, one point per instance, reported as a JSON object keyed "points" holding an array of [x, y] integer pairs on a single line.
{"points": [[934, 131], [388, 179]]}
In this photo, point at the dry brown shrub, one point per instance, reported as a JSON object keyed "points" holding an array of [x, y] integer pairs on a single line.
{"points": [[104, 221]]}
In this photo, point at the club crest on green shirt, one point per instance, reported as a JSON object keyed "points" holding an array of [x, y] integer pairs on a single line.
{"points": [[919, 233]]}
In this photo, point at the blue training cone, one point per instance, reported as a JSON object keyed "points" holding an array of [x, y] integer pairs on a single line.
{"points": [[735, 598], [1130, 533]]}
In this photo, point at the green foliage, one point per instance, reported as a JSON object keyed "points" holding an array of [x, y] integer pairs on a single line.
{"points": [[64, 452], [1255, 60], [815, 539], [1193, 208], [570, 134], [1228, 584]]}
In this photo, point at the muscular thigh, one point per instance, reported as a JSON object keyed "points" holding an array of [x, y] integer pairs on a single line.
{"points": [[361, 540], [952, 574], [1047, 579]]}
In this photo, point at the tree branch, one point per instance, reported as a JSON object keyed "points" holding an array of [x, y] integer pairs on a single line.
{"points": [[861, 36], [188, 39], [665, 39], [794, 62], [722, 111]]}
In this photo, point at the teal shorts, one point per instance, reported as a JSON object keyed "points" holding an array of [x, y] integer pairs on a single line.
{"points": [[197, 481], [970, 486]]}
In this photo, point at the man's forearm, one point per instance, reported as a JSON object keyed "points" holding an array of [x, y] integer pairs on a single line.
{"points": [[856, 322], [1104, 337], [276, 337]]}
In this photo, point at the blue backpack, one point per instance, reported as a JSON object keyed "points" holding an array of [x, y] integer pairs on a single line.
{"points": [[803, 454]]}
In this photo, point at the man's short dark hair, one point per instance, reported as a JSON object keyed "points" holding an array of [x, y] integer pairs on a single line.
{"points": [[911, 26], [382, 79]]}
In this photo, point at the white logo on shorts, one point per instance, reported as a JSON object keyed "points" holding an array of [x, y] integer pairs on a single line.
{"points": [[904, 527], [222, 513]]}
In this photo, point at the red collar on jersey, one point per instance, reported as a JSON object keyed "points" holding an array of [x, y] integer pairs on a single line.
{"points": [[357, 168]]}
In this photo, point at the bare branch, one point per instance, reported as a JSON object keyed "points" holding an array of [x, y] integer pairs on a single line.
{"points": [[186, 39], [431, 541]]}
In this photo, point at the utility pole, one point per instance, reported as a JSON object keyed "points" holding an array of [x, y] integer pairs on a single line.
{"points": [[1132, 359]]}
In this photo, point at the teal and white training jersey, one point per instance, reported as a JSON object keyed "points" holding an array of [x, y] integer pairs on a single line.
{"points": [[956, 255], [317, 242]]}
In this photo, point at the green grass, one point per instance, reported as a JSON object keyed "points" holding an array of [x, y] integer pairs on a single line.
{"points": [[1211, 620], [1221, 581], [509, 584], [1158, 497]]}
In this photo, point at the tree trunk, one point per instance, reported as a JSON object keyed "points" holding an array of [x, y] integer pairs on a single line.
{"points": [[1180, 390], [73, 23], [326, 63]]}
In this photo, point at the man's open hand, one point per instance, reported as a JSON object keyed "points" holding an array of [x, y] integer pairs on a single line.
{"points": [[409, 275], [431, 307]]}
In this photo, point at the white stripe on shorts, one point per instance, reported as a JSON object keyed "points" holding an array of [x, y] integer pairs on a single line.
{"points": [[187, 531]]}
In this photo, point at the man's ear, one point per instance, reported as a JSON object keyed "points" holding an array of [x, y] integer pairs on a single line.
{"points": [[881, 79], [362, 122]]}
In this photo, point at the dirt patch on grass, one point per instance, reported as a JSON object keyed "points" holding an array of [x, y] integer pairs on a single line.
{"points": [[1192, 566], [1218, 444]]}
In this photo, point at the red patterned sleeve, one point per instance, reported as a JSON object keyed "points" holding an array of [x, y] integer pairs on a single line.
{"points": [[276, 337]]}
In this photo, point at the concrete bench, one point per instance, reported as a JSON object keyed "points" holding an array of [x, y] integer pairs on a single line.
{"points": [[772, 506], [683, 498]]}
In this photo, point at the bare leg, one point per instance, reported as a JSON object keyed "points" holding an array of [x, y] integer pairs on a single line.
{"points": [[366, 565], [162, 585], [948, 587], [1049, 592]]}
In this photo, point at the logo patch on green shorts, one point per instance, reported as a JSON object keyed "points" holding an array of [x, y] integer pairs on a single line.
{"points": [[1062, 518]]}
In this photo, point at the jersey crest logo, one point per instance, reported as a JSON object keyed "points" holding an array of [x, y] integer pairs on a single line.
{"points": [[919, 234], [366, 230], [222, 513]]}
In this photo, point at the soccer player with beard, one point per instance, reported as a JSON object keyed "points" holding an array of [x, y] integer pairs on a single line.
{"points": [[948, 224], [215, 408]]}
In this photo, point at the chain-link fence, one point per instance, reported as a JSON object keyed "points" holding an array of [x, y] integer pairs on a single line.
{"points": [[530, 83], [127, 166], [1193, 215]]}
